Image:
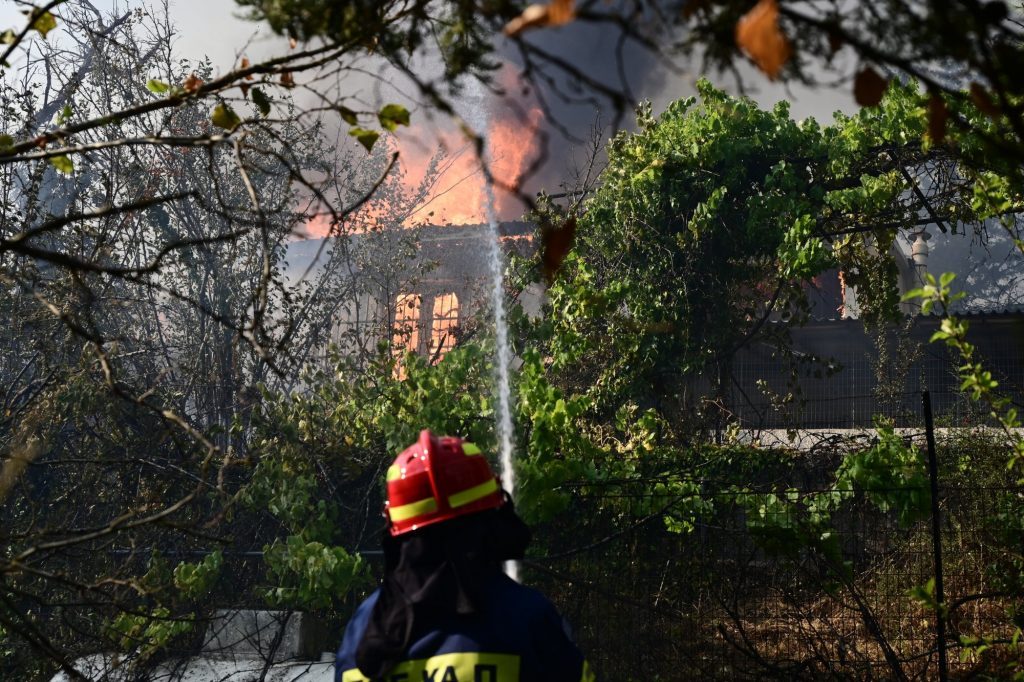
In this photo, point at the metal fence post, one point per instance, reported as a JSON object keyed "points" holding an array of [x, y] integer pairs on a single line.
{"points": [[940, 598]]}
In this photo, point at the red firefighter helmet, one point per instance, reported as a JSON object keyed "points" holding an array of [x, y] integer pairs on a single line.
{"points": [[436, 479]]}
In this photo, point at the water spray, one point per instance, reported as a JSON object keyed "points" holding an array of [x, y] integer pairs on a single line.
{"points": [[478, 117], [503, 354]]}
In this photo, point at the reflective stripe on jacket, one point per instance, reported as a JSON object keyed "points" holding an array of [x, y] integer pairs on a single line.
{"points": [[517, 636]]}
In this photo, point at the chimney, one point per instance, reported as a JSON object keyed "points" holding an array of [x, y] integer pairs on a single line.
{"points": [[919, 253]]}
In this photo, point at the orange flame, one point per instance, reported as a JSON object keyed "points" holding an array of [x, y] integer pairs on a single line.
{"points": [[457, 195]]}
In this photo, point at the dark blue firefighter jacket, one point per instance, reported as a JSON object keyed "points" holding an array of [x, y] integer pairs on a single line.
{"points": [[517, 636]]}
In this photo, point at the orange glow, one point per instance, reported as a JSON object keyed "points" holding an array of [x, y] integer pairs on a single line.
{"points": [[444, 325], [406, 334], [317, 227], [456, 196]]}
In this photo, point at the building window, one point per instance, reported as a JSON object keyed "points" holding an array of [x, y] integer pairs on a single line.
{"points": [[406, 333], [444, 323]]}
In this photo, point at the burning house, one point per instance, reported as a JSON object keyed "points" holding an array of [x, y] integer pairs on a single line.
{"points": [[839, 375]]}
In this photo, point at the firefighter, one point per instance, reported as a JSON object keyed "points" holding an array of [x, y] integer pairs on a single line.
{"points": [[445, 610]]}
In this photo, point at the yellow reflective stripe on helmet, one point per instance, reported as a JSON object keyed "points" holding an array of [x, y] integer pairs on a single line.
{"points": [[470, 449], [407, 511], [473, 494], [588, 674], [394, 471]]}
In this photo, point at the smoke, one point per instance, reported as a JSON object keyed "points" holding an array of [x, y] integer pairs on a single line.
{"points": [[581, 75], [616, 71]]}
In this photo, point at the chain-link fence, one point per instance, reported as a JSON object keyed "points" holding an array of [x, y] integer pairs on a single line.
{"points": [[796, 576], [839, 374]]}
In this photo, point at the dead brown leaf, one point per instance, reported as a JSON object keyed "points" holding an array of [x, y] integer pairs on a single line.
{"points": [[244, 64], [938, 116], [555, 13], [287, 80], [868, 87], [983, 101], [192, 83], [555, 243], [758, 34]]}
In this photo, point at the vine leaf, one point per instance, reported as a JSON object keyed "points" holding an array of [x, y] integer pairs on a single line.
{"points": [[367, 138], [758, 34], [868, 87], [555, 13], [157, 87], [261, 100], [225, 117], [44, 22], [392, 116], [63, 164]]}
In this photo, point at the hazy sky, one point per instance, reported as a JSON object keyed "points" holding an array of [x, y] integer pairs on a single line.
{"points": [[215, 28]]}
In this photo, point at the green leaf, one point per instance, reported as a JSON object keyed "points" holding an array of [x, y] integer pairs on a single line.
{"points": [[8, 37], [43, 22], [6, 142], [348, 116], [62, 164], [367, 138], [261, 100], [225, 117], [392, 116], [157, 87], [64, 115]]}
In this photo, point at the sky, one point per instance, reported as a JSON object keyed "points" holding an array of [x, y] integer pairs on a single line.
{"points": [[218, 30]]}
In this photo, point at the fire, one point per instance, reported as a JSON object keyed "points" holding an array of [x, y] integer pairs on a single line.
{"points": [[456, 195]]}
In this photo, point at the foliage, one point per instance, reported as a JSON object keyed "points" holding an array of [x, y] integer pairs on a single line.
{"points": [[980, 385], [706, 227], [195, 580], [310, 575], [5, 649], [147, 204], [146, 634], [146, 295], [891, 476], [965, 53], [706, 224], [975, 380]]}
